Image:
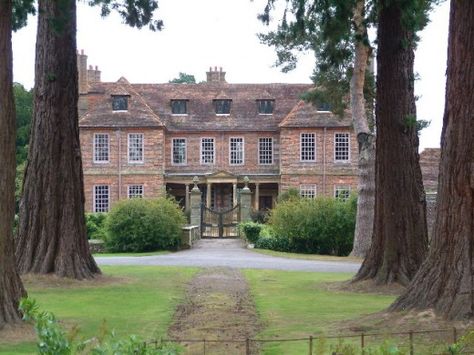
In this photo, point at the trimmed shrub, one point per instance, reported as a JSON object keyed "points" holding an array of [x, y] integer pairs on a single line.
{"points": [[140, 225], [95, 224], [320, 225], [251, 231]]}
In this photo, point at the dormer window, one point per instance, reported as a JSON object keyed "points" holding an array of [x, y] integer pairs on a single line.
{"points": [[323, 106], [265, 107], [119, 102], [179, 107], [222, 107]]}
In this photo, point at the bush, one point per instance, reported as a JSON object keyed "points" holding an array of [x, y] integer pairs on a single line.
{"points": [[95, 224], [320, 225], [251, 231], [140, 225]]}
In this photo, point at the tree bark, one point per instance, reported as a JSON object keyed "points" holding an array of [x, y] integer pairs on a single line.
{"points": [[399, 242], [366, 163], [52, 235], [11, 287], [445, 282]]}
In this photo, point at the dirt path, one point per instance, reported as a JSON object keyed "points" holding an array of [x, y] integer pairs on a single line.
{"points": [[218, 306]]}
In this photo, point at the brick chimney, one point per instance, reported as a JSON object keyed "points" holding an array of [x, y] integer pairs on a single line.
{"points": [[82, 72], [93, 74], [215, 76]]}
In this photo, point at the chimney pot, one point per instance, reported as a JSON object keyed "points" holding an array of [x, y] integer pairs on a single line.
{"points": [[90, 67], [215, 68], [96, 67], [82, 51]]}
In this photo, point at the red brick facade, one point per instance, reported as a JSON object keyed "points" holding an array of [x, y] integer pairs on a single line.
{"points": [[266, 147]]}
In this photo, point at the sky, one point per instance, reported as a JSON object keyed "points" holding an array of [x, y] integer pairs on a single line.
{"points": [[222, 33]]}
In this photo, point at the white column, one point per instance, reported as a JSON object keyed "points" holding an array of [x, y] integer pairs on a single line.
{"points": [[234, 194], [257, 196], [208, 195], [186, 198]]}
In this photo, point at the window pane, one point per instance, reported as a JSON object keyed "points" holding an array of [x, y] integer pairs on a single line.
{"points": [[308, 147], [135, 191], [101, 147], [135, 147], [179, 151], [207, 151], [308, 191], [179, 107], [101, 198], [222, 106], [236, 151], [341, 146], [265, 106], [120, 103], [265, 150], [342, 192]]}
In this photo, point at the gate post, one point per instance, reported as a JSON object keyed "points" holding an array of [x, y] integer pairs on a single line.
{"points": [[245, 202], [196, 205]]}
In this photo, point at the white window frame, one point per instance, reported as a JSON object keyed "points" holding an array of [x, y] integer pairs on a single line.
{"points": [[95, 148], [94, 196], [348, 147], [308, 190], [142, 148], [340, 188], [213, 150], [271, 140], [185, 151], [236, 152], [134, 186], [123, 96], [307, 151]]}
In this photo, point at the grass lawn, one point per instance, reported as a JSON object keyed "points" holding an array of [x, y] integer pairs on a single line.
{"points": [[132, 299], [298, 304], [281, 254], [150, 253]]}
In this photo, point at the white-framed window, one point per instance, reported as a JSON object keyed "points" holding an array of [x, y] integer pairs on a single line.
{"points": [[307, 147], [236, 151], [101, 148], [101, 198], [179, 151], [179, 107], [222, 107], [265, 107], [342, 192], [207, 151], [308, 191], [265, 150], [135, 147], [341, 147], [135, 191]]}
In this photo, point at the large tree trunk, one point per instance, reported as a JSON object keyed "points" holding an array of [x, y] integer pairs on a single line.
{"points": [[445, 282], [52, 236], [366, 184], [399, 242], [11, 287]]}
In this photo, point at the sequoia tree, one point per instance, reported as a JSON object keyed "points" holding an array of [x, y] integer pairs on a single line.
{"points": [[399, 241], [52, 234], [336, 31], [445, 281], [11, 287]]}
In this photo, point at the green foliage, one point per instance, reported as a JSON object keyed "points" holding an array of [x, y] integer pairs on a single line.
{"points": [[183, 79], [95, 224], [24, 113], [135, 13], [20, 11], [290, 194], [251, 231], [140, 225], [320, 225], [53, 339], [463, 345]]}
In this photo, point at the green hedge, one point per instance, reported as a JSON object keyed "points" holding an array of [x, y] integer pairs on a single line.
{"points": [[251, 231], [140, 225], [319, 226], [95, 224]]}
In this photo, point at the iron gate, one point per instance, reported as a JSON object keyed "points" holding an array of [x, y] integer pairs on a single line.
{"points": [[220, 224]]}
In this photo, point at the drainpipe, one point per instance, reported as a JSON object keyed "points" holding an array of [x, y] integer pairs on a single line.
{"points": [[324, 160], [119, 162]]}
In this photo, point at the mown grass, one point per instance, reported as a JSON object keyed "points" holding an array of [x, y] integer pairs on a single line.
{"points": [[299, 304], [150, 253], [137, 300]]}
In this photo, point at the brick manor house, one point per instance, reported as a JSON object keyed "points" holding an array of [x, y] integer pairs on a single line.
{"points": [[143, 139]]}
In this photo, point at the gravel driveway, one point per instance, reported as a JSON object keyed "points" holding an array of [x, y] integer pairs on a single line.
{"points": [[229, 253]]}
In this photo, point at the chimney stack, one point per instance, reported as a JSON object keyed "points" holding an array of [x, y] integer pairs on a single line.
{"points": [[215, 76]]}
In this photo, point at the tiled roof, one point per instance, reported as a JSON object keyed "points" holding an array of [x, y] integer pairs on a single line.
{"points": [[139, 114], [306, 115], [149, 106]]}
